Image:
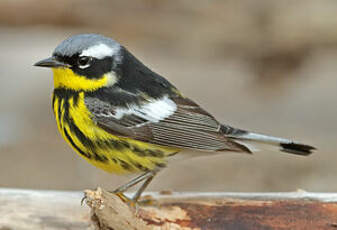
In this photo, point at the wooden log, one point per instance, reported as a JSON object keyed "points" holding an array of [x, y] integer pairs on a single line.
{"points": [[234, 211], [28, 209], [47, 210]]}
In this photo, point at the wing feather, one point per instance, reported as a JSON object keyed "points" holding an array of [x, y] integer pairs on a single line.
{"points": [[174, 122]]}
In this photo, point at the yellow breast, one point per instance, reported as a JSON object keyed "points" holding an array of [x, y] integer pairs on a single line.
{"points": [[100, 148]]}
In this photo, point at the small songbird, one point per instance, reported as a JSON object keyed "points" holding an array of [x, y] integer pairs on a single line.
{"points": [[124, 118]]}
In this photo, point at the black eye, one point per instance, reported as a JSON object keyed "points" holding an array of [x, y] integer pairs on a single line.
{"points": [[84, 61]]}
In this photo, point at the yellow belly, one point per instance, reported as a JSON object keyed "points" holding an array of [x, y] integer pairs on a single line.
{"points": [[100, 148]]}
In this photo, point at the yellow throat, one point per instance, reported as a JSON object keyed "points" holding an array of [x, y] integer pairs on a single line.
{"points": [[66, 78]]}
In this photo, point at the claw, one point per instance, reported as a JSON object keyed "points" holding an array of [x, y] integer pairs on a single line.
{"points": [[148, 200], [82, 200]]}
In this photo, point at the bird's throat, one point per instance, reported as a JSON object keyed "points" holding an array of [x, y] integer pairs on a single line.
{"points": [[66, 78]]}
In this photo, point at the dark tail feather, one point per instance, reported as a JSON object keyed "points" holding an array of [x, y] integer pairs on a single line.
{"points": [[250, 139], [298, 149]]}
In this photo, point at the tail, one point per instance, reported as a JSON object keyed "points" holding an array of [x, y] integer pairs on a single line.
{"points": [[248, 139]]}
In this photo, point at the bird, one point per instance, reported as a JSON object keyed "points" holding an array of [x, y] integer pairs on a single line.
{"points": [[124, 118]]}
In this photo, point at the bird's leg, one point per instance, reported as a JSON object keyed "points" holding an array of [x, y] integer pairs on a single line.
{"points": [[143, 187], [133, 182], [147, 176]]}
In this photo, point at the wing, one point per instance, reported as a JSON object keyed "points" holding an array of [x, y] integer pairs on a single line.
{"points": [[171, 121]]}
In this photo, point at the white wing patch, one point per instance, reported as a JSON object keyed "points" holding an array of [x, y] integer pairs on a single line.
{"points": [[154, 111], [100, 51]]}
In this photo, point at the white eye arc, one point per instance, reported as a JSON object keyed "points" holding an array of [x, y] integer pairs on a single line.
{"points": [[84, 62]]}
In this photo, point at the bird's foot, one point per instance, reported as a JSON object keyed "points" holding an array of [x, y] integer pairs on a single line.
{"points": [[148, 200], [130, 202]]}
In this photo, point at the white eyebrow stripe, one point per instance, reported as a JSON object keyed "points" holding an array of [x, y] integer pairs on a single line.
{"points": [[100, 51]]}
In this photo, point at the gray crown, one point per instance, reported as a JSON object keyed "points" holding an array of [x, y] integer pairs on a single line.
{"points": [[78, 43]]}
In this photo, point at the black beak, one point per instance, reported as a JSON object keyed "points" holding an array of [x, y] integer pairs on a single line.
{"points": [[51, 63]]}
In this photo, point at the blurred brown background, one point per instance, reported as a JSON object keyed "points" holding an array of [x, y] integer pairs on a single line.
{"points": [[263, 65]]}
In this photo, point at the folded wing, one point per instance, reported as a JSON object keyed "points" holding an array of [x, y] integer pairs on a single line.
{"points": [[167, 121]]}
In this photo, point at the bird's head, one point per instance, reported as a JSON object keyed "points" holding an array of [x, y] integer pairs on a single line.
{"points": [[85, 62]]}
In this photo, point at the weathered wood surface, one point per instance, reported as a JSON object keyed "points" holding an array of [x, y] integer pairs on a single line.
{"points": [[47, 210], [24, 209]]}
